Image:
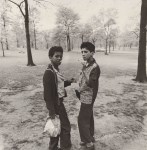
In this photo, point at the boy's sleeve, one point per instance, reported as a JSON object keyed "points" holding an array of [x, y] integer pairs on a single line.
{"points": [[94, 76], [48, 79], [67, 83]]}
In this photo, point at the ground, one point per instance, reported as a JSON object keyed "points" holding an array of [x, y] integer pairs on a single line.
{"points": [[120, 108]]}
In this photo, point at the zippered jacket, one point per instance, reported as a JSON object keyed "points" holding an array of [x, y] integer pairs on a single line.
{"points": [[89, 82], [50, 84]]}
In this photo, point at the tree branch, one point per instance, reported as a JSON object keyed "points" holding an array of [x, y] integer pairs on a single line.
{"points": [[19, 6], [137, 36], [21, 3], [13, 3], [39, 1]]}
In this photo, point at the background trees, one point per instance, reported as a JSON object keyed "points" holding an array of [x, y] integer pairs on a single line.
{"points": [[59, 36], [34, 19], [4, 25], [25, 14], [102, 30], [85, 31], [108, 21], [18, 32], [67, 19]]}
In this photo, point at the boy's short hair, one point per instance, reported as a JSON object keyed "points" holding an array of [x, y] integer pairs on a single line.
{"points": [[54, 49], [89, 46]]}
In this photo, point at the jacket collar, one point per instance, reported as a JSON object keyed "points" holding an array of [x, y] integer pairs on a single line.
{"points": [[90, 63], [50, 66]]}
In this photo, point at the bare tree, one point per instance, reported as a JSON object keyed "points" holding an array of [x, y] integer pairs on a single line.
{"points": [[2, 45], [85, 32], [68, 20], [107, 28], [25, 14], [58, 35], [4, 19], [18, 31], [46, 35], [107, 18], [112, 38], [136, 31], [34, 13], [141, 70]]}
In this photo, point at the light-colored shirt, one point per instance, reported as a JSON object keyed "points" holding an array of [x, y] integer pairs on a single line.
{"points": [[60, 82], [86, 92]]}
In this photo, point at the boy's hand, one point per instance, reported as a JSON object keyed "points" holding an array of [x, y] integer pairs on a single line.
{"points": [[51, 116], [77, 94], [72, 80]]}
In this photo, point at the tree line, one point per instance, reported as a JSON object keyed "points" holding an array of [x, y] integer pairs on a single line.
{"points": [[102, 30]]}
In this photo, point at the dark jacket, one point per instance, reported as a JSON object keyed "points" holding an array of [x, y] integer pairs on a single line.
{"points": [[50, 84], [94, 79]]}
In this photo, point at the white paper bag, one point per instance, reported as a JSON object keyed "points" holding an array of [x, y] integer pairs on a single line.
{"points": [[52, 127]]}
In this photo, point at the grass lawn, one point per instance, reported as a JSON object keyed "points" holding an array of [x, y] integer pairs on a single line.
{"points": [[120, 108]]}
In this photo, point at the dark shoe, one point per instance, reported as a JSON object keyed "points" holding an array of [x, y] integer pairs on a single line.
{"points": [[90, 146], [81, 148], [68, 148], [82, 143], [93, 140]]}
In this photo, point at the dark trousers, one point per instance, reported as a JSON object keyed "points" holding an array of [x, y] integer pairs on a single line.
{"points": [[65, 140], [86, 123]]}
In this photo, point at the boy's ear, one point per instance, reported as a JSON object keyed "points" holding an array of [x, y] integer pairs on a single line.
{"points": [[92, 53], [50, 57]]}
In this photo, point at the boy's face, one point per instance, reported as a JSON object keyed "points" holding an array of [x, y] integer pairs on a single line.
{"points": [[56, 58], [86, 54]]}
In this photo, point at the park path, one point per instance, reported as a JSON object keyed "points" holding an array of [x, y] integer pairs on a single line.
{"points": [[120, 116], [120, 109], [22, 118]]}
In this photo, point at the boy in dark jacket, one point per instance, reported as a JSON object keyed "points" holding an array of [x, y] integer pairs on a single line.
{"points": [[54, 92], [88, 88]]}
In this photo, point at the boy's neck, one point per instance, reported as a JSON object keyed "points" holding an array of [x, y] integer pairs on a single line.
{"points": [[90, 60], [55, 66]]}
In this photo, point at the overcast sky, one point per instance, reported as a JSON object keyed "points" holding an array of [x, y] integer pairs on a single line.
{"points": [[87, 8]]}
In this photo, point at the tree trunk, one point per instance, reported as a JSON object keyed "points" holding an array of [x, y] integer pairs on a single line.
{"points": [[82, 38], [141, 70], [7, 45], [35, 40], [29, 54], [68, 43], [32, 44], [72, 44], [109, 46], [3, 48], [17, 43], [4, 21], [106, 53], [113, 45], [47, 46]]}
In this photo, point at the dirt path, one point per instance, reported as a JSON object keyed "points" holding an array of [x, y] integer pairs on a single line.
{"points": [[21, 118], [120, 109], [120, 114]]}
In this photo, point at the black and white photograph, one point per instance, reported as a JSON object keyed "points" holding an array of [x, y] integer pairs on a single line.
{"points": [[73, 75]]}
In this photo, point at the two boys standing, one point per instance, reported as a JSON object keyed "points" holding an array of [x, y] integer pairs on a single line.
{"points": [[54, 92]]}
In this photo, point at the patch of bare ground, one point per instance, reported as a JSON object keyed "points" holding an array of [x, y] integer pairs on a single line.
{"points": [[120, 109]]}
